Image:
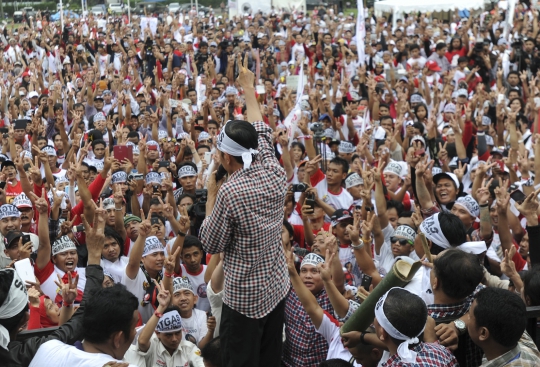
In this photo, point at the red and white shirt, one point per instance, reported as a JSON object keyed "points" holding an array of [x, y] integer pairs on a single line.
{"points": [[48, 275], [337, 200]]}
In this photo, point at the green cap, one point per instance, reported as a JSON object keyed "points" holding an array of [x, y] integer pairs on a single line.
{"points": [[130, 218]]}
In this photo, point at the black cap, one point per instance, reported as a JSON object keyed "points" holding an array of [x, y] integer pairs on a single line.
{"points": [[7, 164], [20, 124], [10, 238], [98, 98], [340, 215]]}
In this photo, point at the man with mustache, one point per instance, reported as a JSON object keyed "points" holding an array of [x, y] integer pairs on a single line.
{"points": [[23, 203]]}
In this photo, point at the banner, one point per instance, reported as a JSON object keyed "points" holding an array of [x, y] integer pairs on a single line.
{"points": [[361, 33], [291, 121]]}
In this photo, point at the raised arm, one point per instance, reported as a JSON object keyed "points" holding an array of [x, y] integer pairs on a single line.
{"points": [[311, 306], [164, 298], [135, 255]]}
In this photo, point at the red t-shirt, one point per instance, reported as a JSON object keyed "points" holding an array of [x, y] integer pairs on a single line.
{"points": [[12, 191], [299, 234]]}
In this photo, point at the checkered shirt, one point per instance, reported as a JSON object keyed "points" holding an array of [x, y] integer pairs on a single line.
{"points": [[246, 225], [443, 313], [428, 355], [525, 354], [303, 345]]}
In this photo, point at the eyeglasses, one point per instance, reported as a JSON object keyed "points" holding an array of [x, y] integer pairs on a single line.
{"points": [[402, 241]]}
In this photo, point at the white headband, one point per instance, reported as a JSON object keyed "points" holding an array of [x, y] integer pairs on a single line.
{"points": [[186, 171], [403, 351], [229, 146], [170, 322], [8, 211], [15, 302], [432, 229], [151, 245], [182, 283], [473, 247], [311, 259], [63, 244]]}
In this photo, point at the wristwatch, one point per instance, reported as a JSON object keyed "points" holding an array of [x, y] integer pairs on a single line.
{"points": [[460, 326]]}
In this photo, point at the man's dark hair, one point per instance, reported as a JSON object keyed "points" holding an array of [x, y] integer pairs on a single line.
{"points": [[453, 228], [386, 118], [396, 205], [133, 134], [341, 162], [192, 241], [41, 137], [205, 147], [459, 273], [440, 46], [191, 90], [214, 122], [5, 285], [413, 46], [111, 233], [418, 125], [531, 285], [243, 133], [503, 313], [406, 312], [335, 362], [97, 142], [108, 311], [513, 72], [211, 352], [384, 105]]}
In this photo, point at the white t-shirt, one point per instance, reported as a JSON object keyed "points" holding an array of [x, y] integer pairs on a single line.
{"points": [[216, 305], [58, 354], [199, 286], [157, 355], [195, 326], [329, 329], [117, 268], [136, 286], [341, 200]]}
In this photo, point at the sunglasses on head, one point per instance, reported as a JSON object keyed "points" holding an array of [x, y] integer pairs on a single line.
{"points": [[402, 241]]}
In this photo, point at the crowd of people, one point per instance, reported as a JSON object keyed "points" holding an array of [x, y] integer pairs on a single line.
{"points": [[195, 189]]}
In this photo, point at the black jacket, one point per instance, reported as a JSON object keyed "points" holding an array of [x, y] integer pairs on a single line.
{"points": [[20, 353]]}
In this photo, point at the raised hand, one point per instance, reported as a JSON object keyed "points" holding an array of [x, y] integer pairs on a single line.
{"points": [[68, 290], [325, 269]]}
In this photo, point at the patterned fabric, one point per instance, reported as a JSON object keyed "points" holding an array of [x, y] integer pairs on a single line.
{"points": [[447, 313], [303, 345], [525, 354], [428, 355], [246, 225]]}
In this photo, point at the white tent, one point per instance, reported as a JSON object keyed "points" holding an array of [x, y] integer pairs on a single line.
{"points": [[400, 6]]}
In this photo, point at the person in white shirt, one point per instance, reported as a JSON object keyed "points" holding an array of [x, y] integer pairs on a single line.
{"points": [[197, 329], [109, 321], [113, 260], [401, 244], [160, 343]]}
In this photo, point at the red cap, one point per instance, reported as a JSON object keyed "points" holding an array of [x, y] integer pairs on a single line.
{"points": [[433, 66]]}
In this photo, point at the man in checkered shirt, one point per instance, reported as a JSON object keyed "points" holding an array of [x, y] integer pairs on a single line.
{"points": [[244, 221]]}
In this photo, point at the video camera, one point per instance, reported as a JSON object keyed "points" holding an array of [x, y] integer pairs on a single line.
{"points": [[318, 130], [198, 209]]}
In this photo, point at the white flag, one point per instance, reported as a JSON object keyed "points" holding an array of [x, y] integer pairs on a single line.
{"points": [[361, 33]]}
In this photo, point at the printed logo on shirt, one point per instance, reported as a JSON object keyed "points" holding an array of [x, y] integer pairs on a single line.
{"points": [[201, 290], [160, 363]]}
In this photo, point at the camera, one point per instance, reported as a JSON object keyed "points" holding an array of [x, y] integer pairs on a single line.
{"points": [[135, 176], [301, 187], [318, 130], [198, 209]]}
